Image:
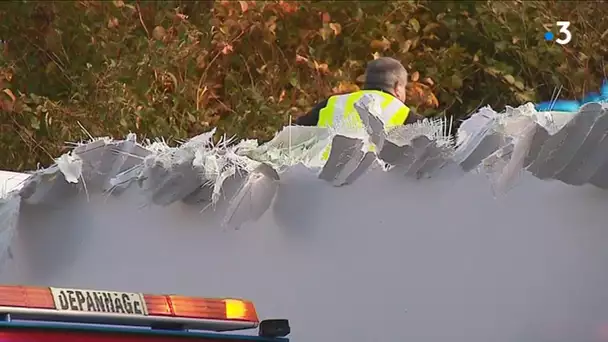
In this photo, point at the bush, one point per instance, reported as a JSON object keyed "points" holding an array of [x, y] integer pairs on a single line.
{"points": [[71, 70]]}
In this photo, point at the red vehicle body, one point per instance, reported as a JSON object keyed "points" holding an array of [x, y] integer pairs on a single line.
{"points": [[39, 314]]}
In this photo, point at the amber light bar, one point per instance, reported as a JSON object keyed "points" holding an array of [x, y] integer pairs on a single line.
{"points": [[190, 307], [26, 297], [77, 305]]}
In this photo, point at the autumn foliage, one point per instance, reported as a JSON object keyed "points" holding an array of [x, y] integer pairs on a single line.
{"points": [[74, 69]]}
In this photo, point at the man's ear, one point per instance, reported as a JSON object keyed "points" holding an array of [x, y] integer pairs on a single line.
{"points": [[396, 86]]}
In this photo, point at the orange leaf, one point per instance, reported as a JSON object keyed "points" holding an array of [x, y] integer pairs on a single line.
{"points": [[344, 88], [301, 59], [244, 6], [10, 94], [433, 101], [282, 96], [420, 94], [325, 17], [288, 6], [428, 81], [112, 23], [383, 44], [337, 28], [415, 76], [227, 49], [323, 68]]}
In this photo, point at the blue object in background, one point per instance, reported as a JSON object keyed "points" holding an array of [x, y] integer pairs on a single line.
{"points": [[592, 97], [604, 89], [559, 106], [574, 105]]}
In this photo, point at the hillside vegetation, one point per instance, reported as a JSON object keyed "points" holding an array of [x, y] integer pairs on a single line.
{"points": [[74, 69]]}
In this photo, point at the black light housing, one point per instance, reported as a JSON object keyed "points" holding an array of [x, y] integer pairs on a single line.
{"points": [[274, 328]]}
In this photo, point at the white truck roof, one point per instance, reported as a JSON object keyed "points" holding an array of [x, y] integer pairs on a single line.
{"points": [[422, 250]]}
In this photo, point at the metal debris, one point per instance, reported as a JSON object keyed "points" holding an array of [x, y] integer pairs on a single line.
{"points": [[565, 146]]}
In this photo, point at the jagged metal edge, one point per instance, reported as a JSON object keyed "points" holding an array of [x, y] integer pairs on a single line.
{"points": [[500, 145], [569, 147]]}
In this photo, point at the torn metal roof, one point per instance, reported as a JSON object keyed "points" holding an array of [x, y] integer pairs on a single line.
{"points": [[565, 147], [410, 224]]}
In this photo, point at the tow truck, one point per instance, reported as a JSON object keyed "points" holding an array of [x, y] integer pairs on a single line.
{"points": [[49, 314]]}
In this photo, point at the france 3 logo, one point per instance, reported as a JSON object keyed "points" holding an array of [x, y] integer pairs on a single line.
{"points": [[564, 35]]}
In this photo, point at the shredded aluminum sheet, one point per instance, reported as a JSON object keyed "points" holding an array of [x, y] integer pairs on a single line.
{"points": [[568, 147]]}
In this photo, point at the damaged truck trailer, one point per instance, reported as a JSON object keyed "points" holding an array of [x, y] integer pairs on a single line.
{"points": [[497, 235]]}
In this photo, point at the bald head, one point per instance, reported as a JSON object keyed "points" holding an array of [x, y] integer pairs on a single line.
{"points": [[386, 74]]}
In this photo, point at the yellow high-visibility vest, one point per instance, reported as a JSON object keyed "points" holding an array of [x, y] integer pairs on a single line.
{"points": [[340, 112]]}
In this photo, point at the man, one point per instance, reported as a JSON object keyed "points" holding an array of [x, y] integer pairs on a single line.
{"points": [[385, 80]]}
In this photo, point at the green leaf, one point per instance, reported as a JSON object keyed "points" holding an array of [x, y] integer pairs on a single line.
{"points": [[34, 122], [456, 82], [415, 24], [525, 97], [36, 99], [532, 58], [294, 82], [430, 27], [500, 46], [492, 71], [509, 78]]}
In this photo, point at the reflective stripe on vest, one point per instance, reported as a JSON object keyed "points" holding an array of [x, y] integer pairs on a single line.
{"points": [[340, 112]]}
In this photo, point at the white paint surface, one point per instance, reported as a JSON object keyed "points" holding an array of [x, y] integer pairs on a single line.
{"points": [[352, 263], [11, 181], [384, 257]]}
